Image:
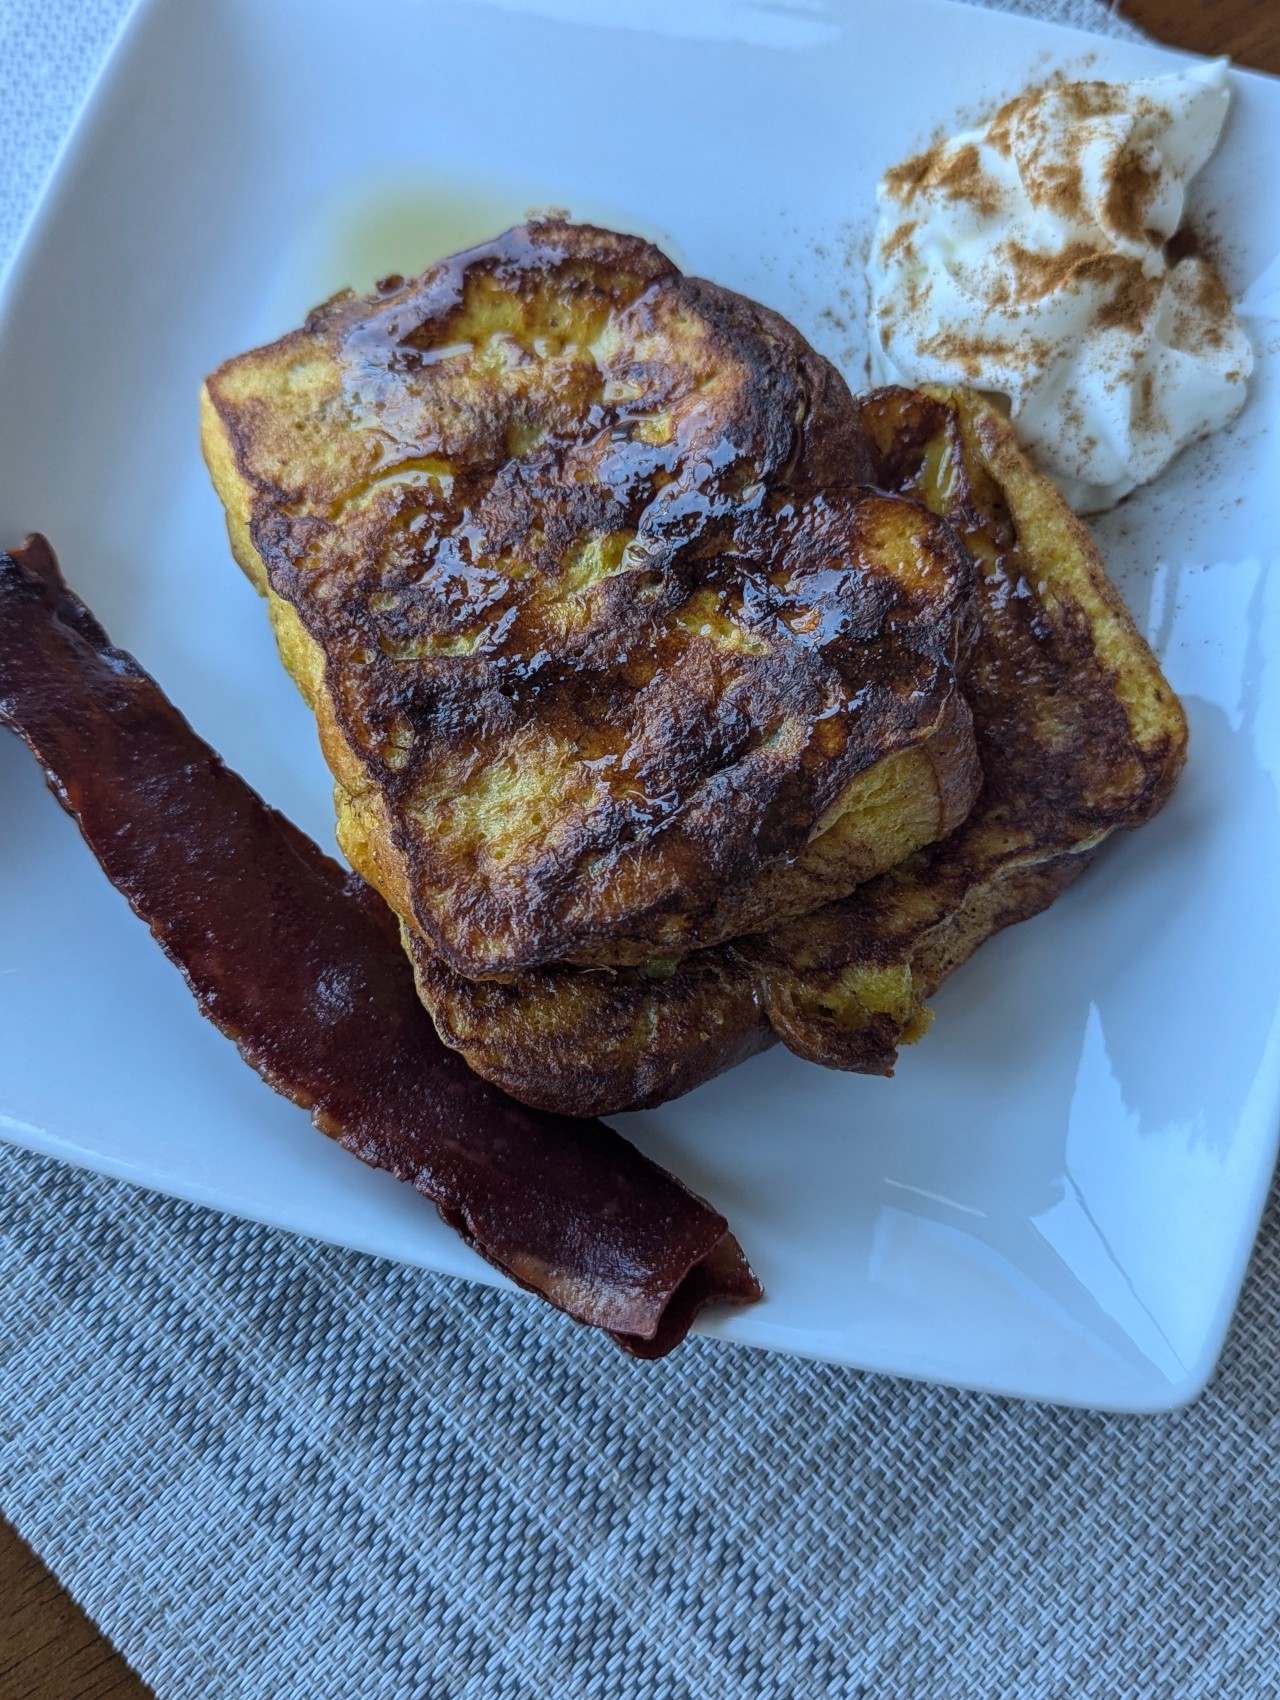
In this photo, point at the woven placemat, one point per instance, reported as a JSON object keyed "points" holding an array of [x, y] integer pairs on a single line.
{"points": [[271, 1469]]}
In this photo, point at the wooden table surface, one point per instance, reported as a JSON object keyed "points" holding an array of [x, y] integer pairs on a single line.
{"points": [[49, 1650]]}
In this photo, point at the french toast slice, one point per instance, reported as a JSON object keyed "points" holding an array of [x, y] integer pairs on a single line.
{"points": [[611, 656], [1079, 735]]}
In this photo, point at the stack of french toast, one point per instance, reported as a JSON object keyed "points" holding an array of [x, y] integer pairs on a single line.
{"points": [[677, 700]]}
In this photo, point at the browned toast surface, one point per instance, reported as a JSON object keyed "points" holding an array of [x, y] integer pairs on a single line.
{"points": [[1079, 734], [611, 654]]}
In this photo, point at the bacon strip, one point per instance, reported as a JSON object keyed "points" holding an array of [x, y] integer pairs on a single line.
{"points": [[298, 962]]}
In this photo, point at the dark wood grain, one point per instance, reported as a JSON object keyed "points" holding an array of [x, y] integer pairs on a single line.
{"points": [[48, 1648], [1247, 30]]}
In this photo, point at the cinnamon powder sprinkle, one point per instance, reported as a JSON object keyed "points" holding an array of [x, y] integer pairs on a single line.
{"points": [[898, 241], [1078, 154], [1058, 186], [1212, 298], [1132, 300], [1130, 197], [975, 355], [1146, 414], [954, 172], [1000, 129], [1031, 275], [1101, 100], [1205, 319]]}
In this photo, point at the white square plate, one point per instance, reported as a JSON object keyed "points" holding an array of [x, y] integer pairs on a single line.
{"points": [[1057, 1195]]}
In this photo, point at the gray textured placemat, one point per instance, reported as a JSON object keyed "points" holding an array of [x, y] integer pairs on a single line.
{"points": [[276, 1470]]}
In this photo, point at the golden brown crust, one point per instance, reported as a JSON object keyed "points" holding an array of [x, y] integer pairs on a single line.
{"points": [[1078, 731], [578, 1037], [606, 647], [1079, 735], [847, 986]]}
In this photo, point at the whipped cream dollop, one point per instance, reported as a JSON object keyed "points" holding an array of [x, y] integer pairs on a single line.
{"points": [[1034, 258]]}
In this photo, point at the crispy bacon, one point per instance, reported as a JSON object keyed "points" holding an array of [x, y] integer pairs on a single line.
{"points": [[298, 961]]}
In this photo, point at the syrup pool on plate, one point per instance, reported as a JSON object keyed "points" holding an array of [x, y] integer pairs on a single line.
{"points": [[408, 219]]}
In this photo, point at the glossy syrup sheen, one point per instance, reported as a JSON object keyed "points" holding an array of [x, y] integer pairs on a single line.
{"points": [[562, 522], [406, 220]]}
